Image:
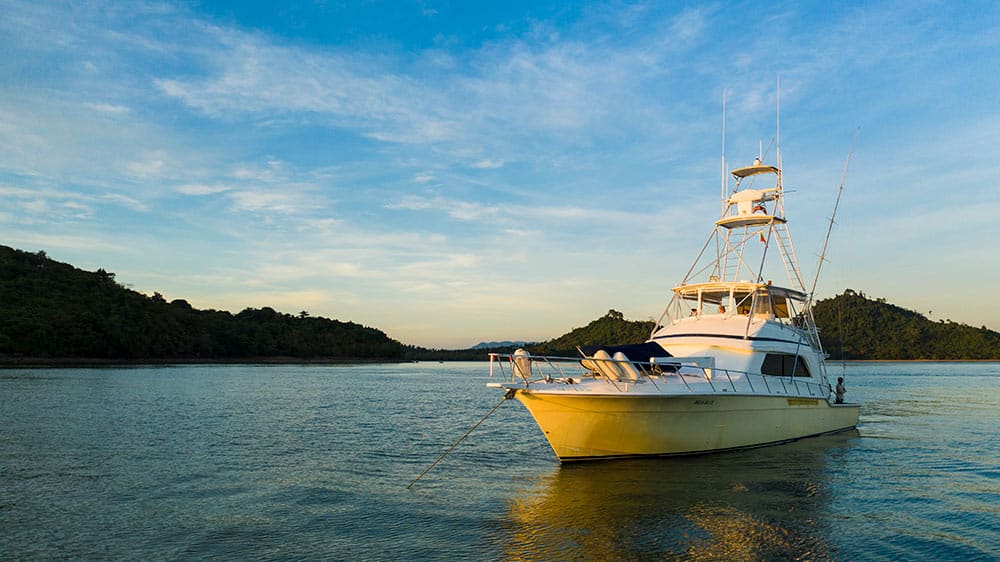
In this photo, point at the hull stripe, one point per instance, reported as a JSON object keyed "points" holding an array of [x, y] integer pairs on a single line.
{"points": [[705, 452], [726, 336]]}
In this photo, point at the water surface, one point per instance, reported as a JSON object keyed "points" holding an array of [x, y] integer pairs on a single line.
{"points": [[312, 462]]}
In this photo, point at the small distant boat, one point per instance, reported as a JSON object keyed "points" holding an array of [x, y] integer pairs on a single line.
{"points": [[735, 360]]}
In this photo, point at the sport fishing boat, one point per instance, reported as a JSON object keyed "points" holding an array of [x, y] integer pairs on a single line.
{"points": [[735, 360]]}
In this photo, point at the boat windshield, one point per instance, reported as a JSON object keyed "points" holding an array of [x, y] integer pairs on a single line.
{"points": [[773, 305], [738, 299]]}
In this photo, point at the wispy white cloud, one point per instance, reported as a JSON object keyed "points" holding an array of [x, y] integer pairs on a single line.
{"points": [[456, 209], [18, 192], [62, 204], [411, 203], [125, 201], [268, 201], [75, 243], [516, 89], [202, 189], [507, 213], [36, 206], [257, 77], [152, 167], [488, 164], [110, 108], [270, 171]]}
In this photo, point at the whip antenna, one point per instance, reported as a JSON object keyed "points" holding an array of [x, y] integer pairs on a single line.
{"points": [[724, 180]]}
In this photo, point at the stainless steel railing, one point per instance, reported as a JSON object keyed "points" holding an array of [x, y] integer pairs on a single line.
{"points": [[661, 373]]}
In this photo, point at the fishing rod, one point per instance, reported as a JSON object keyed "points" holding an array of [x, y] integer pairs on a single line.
{"points": [[833, 217]]}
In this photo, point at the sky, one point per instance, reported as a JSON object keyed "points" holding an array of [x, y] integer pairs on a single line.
{"points": [[458, 172]]}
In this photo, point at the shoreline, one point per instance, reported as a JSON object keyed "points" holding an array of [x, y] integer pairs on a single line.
{"points": [[15, 362], [913, 361], [7, 362]]}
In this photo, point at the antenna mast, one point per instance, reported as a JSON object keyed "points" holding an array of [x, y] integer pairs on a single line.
{"points": [[723, 150], [777, 133]]}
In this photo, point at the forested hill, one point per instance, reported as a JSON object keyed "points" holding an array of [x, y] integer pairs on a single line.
{"points": [[610, 329], [50, 309], [853, 326]]}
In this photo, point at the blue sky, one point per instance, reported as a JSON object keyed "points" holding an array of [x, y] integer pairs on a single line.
{"points": [[452, 173]]}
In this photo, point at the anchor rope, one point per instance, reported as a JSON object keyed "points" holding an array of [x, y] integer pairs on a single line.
{"points": [[507, 396]]}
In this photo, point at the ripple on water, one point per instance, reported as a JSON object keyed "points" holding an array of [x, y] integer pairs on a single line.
{"points": [[312, 462]]}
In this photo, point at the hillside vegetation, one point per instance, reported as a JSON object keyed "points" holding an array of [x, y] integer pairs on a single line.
{"points": [[610, 329], [50, 309], [853, 326]]}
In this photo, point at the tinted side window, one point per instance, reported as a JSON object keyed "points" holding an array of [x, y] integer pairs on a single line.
{"points": [[801, 370], [783, 365]]}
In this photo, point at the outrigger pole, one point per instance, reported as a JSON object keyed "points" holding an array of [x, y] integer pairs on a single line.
{"points": [[840, 190]]}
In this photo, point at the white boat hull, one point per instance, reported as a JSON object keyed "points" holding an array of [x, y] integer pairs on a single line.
{"points": [[580, 427]]}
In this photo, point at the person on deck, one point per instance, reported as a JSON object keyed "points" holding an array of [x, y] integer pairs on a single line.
{"points": [[839, 391]]}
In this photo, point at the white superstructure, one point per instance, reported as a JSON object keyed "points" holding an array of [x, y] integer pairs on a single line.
{"points": [[735, 360]]}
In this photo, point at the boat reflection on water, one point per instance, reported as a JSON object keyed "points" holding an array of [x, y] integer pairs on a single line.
{"points": [[767, 503]]}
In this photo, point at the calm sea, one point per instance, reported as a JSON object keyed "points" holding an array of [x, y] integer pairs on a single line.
{"points": [[312, 462]]}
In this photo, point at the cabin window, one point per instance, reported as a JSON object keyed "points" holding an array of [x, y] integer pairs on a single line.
{"points": [[743, 302], [783, 365], [762, 304], [780, 307]]}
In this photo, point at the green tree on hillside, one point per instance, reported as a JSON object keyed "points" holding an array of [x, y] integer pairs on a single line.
{"points": [[51, 309], [610, 329], [853, 326]]}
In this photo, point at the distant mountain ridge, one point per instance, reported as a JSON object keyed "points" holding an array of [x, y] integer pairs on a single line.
{"points": [[499, 344]]}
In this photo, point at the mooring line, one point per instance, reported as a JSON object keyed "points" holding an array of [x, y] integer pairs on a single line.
{"points": [[507, 395]]}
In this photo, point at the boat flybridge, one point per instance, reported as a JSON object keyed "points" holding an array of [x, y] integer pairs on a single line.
{"points": [[735, 360]]}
